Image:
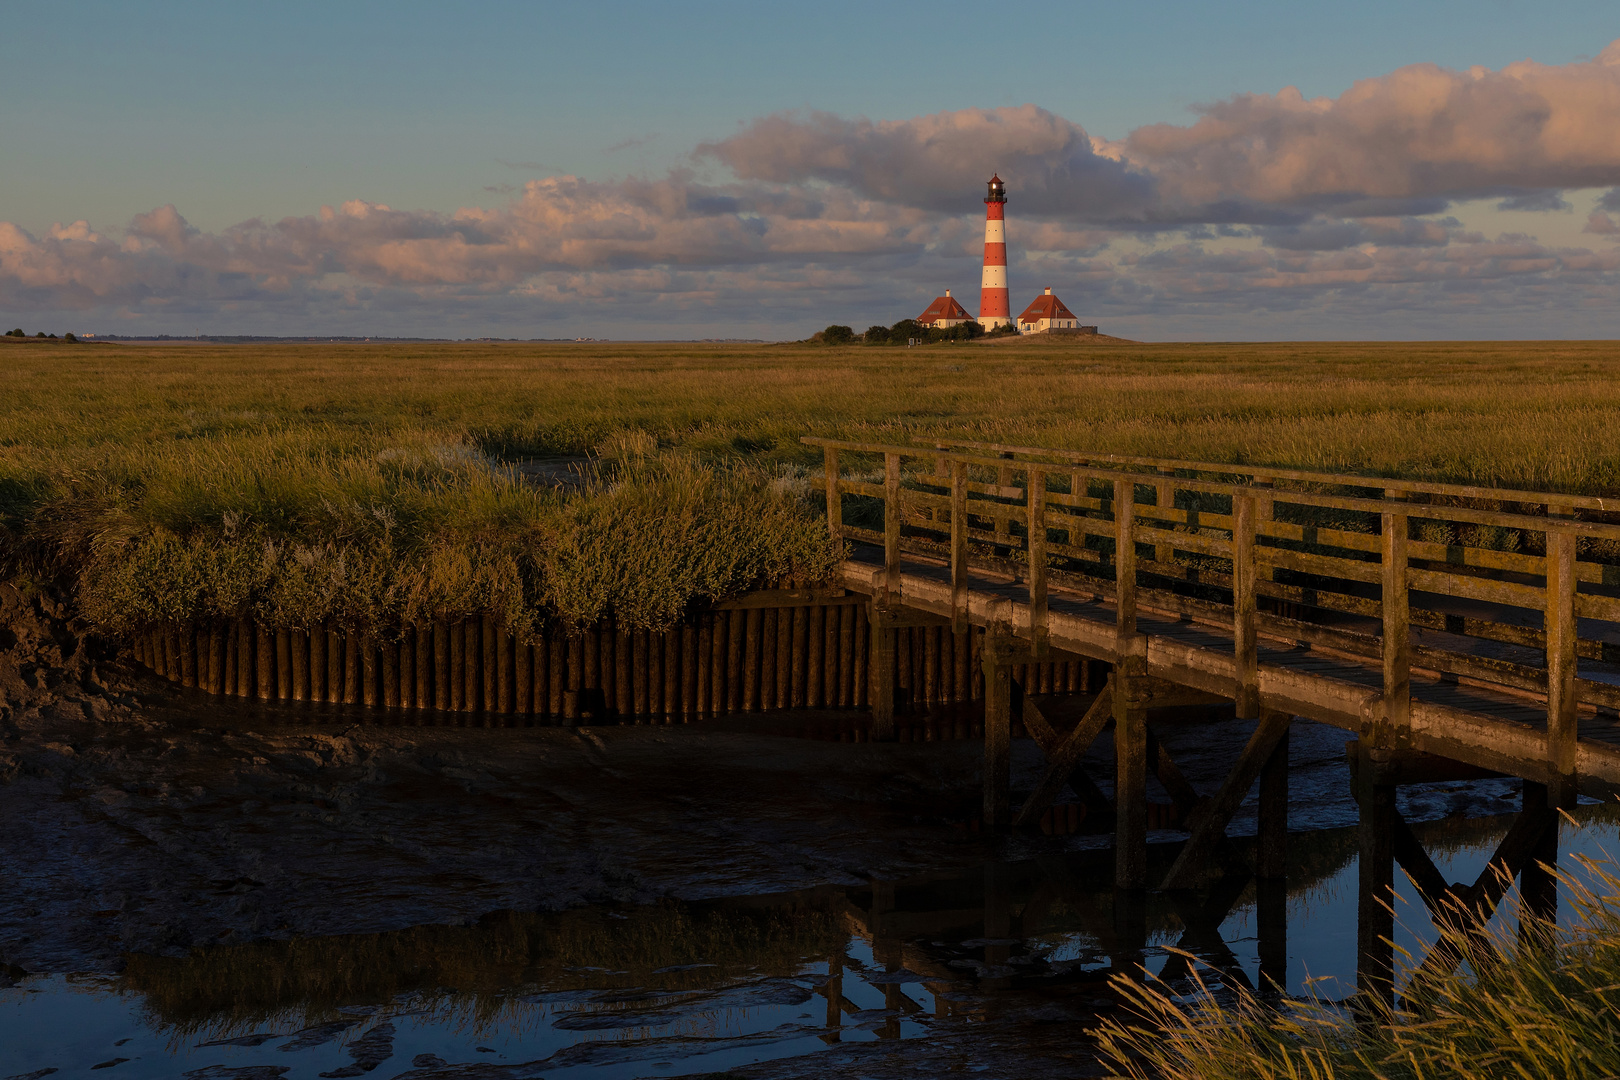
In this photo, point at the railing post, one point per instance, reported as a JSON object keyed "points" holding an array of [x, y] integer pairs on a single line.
{"points": [[1397, 644], [1125, 558], [891, 528], [1036, 523], [1004, 479], [1264, 510], [1561, 636], [835, 503], [959, 543], [1164, 495], [1245, 648]]}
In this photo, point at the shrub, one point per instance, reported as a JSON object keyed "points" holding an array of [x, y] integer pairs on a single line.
{"points": [[837, 335]]}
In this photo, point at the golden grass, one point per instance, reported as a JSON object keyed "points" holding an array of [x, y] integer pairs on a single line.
{"points": [[386, 465]]}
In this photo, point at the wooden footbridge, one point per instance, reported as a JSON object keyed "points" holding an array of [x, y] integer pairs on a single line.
{"points": [[1441, 625]]}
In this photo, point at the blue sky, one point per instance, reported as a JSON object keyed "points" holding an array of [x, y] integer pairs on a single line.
{"points": [[233, 114]]}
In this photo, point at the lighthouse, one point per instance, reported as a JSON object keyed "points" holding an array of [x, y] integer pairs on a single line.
{"points": [[994, 308]]}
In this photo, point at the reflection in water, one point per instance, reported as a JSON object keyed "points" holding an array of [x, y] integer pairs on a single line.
{"points": [[681, 988]]}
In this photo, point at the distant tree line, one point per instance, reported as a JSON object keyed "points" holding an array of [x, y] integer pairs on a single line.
{"points": [[906, 330], [42, 334]]}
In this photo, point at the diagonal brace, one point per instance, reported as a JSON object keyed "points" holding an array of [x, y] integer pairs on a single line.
{"points": [[1210, 829], [1063, 755]]}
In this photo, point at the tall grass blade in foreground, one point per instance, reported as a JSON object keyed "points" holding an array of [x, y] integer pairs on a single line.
{"points": [[1549, 1009]]}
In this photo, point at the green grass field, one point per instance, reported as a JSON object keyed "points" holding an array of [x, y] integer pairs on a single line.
{"points": [[379, 483]]}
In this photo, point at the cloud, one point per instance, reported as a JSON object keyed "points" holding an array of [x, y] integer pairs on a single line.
{"points": [[1601, 224], [1266, 203], [1419, 132], [931, 162]]}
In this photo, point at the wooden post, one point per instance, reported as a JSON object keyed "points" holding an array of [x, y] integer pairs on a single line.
{"points": [[284, 672], [784, 656], [188, 654], [368, 670], [473, 677], [407, 668], [962, 649], [1125, 557], [351, 667], [705, 650], [672, 673], [835, 502], [298, 643], [1272, 858], [1164, 495], [860, 688], [266, 663], [1264, 511], [424, 665], [458, 667], [1130, 777], [317, 662], [441, 665], [752, 659], [489, 666], [829, 658], [1375, 904], [1561, 691], [1004, 479], [639, 669], [1396, 646], [801, 619], [1036, 507], [523, 677], [959, 546], [814, 640], [232, 653], [390, 672], [927, 692], [891, 532], [1271, 924], [735, 627], [767, 659], [216, 658], [505, 670], [334, 662], [623, 676], [997, 729], [689, 669], [1538, 883], [717, 661], [570, 706], [542, 675], [654, 642], [846, 656], [1245, 644], [246, 667], [558, 655], [883, 665]]}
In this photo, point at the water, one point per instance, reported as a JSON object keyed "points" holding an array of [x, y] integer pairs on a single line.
{"points": [[962, 966]]}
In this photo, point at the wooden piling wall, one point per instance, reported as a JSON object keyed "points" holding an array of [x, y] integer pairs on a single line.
{"points": [[748, 657]]}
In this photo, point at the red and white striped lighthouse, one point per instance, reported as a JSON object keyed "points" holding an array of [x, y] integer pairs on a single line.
{"points": [[994, 307]]}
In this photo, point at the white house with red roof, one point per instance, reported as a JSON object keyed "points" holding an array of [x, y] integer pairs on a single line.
{"points": [[944, 313], [1047, 313]]}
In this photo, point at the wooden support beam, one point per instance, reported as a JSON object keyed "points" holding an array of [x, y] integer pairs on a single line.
{"points": [[1538, 881], [997, 732], [1130, 776], [1375, 910], [881, 640], [1182, 793], [1064, 756], [1271, 860], [1426, 877], [1210, 829]]}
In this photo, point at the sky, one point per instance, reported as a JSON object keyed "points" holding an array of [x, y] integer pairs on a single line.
{"points": [[1176, 171]]}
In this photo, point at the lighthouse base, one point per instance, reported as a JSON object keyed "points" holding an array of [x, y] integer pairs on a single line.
{"points": [[990, 322]]}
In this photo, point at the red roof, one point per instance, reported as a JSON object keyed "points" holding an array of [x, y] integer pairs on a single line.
{"points": [[944, 307], [1045, 306]]}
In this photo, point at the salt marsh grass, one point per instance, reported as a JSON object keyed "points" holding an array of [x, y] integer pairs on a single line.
{"points": [[377, 484]]}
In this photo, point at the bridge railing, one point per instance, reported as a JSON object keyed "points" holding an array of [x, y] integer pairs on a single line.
{"points": [[1343, 562]]}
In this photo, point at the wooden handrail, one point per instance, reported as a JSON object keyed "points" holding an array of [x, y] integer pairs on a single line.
{"points": [[1480, 574]]}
